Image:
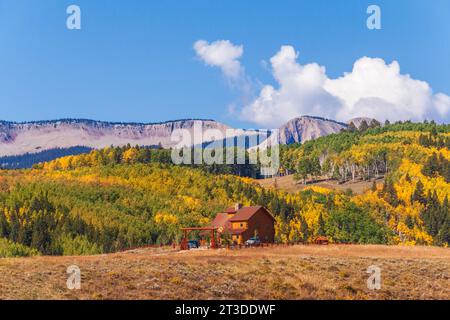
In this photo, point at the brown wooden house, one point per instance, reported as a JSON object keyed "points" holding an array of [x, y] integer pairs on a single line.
{"points": [[242, 223]]}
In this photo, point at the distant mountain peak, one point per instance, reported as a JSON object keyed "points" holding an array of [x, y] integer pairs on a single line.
{"points": [[306, 128]]}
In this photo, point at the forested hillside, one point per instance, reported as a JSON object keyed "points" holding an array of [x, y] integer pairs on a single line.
{"points": [[117, 198], [414, 158], [105, 208], [27, 160], [142, 154]]}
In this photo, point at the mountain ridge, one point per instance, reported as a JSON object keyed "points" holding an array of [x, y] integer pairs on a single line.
{"points": [[78, 120], [31, 137]]}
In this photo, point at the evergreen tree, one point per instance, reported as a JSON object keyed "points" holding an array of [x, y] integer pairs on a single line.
{"points": [[424, 140], [443, 236], [15, 227], [321, 223], [431, 166], [409, 221], [4, 228], [389, 193], [419, 193], [304, 229], [41, 238], [435, 217]]}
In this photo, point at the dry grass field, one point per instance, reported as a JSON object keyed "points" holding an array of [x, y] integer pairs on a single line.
{"points": [[296, 272], [287, 183]]}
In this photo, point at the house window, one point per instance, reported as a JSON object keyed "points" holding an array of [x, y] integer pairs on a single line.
{"points": [[242, 225]]}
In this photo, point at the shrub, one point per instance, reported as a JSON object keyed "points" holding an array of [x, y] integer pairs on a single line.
{"points": [[9, 249]]}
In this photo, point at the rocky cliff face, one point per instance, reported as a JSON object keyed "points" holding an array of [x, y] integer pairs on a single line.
{"points": [[20, 138], [307, 128]]}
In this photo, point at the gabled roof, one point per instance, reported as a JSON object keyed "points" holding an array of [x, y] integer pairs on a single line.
{"points": [[245, 213], [230, 210], [221, 220]]}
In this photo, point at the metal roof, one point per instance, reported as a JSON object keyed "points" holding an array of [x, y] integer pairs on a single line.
{"points": [[245, 213]]}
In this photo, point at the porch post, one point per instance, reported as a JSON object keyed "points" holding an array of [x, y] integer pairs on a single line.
{"points": [[213, 239]]}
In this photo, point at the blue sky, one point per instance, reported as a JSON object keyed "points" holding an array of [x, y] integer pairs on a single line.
{"points": [[134, 60]]}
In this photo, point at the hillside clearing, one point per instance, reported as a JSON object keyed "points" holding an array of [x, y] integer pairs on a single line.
{"points": [[297, 272], [287, 183]]}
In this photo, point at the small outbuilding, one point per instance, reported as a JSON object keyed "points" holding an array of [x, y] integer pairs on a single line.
{"points": [[321, 240]]}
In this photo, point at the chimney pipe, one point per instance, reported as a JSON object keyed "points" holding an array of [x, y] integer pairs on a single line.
{"points": [[237, 206]]}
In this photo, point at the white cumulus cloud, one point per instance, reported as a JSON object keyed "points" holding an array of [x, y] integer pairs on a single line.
{"points": [[222, 54], [300, 91], [379, 90], [372, 89]]}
